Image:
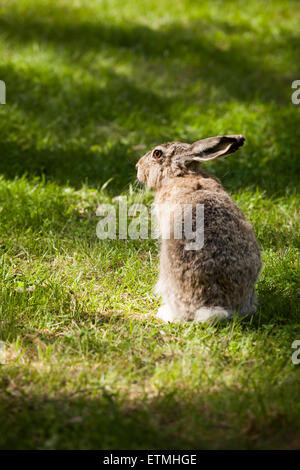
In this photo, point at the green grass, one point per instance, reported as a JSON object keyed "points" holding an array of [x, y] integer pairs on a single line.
{"points": [[87, 364]]}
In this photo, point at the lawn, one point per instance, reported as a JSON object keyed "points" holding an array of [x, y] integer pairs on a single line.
{"points": [[91, 85]]}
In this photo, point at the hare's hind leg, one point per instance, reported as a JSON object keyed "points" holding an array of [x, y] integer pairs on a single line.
{"points": [[204, 314], [249, 306]]}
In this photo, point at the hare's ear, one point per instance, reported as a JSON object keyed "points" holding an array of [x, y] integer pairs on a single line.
{"points": [[215, 147]]}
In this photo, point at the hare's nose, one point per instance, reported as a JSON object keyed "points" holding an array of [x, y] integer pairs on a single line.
{"points": [[137, 165]]}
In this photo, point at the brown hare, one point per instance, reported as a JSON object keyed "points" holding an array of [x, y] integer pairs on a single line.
{"points": [[216, 280]]}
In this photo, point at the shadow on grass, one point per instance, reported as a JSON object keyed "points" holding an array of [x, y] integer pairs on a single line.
{"points": [[193, 44], [71, 166], [175, 53], [229, 418]]}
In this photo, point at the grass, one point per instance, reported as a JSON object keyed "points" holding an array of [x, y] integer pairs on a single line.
{"points": [[86, 364]]}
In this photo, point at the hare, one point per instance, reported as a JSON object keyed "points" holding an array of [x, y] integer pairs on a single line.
{"points": [[216, 280]]}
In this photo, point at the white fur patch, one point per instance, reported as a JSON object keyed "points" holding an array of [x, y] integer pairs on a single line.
{"points": [[166, 314], [211, 313]]}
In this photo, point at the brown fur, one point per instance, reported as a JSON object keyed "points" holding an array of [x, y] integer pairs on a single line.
{"points": [[221, 275]]}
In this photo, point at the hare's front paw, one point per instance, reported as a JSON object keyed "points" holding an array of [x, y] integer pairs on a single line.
{"points": [[165, 314]]}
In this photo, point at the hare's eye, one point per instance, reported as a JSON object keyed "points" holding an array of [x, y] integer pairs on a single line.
{"points": [[157, 154]]}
